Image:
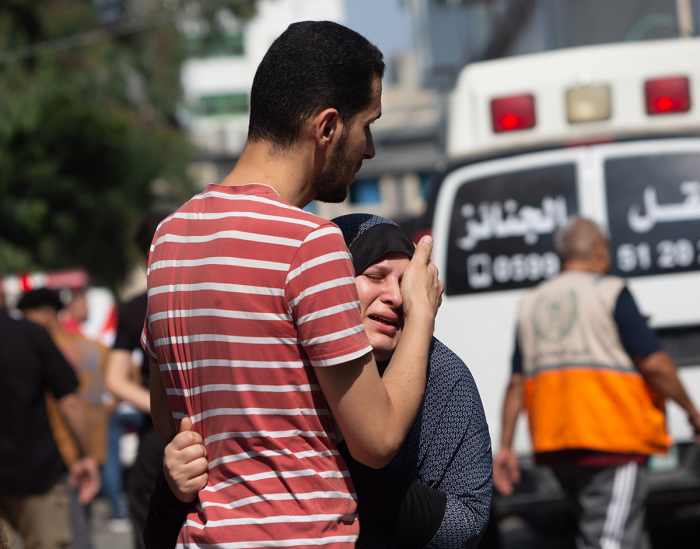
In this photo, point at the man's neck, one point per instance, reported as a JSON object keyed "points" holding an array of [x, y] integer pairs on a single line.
{"points": [[54, 327], [577, 265], [290, 173]]}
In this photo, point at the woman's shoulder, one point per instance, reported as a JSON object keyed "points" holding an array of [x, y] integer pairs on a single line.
{"points": [[449, 373], [445, 362]]}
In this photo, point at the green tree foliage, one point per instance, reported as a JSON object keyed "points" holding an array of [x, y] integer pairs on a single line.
{"points": [[88, 95]]}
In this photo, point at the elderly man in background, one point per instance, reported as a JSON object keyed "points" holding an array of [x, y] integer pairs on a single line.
{"points": [[593, 379]]}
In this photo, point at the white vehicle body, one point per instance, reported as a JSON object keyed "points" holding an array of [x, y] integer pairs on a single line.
{"points": [[638, 174]]}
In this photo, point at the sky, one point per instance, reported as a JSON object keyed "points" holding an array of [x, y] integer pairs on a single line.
{"points": [[383, 22]]}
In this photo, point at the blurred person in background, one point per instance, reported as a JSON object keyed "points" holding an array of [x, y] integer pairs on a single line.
{"points": [[34, 499], [3, 537], [131, 385], [123, 415], [88, 359], [436, 492], [75, 311], [593, 379]]}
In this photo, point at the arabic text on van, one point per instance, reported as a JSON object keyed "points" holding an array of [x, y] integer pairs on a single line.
{"points": [[688, 210], [528, 221]]}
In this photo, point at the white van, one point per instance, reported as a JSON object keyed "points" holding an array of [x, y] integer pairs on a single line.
{"points": [[608, 132]]}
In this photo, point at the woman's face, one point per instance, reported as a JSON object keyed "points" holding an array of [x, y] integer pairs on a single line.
{"points": [[379, 287]]}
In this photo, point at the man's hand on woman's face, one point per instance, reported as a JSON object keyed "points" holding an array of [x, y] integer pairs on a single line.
{"points": [[185, 463], [420, 287]]}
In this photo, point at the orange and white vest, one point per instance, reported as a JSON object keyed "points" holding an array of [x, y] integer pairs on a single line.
{"points": [[582, 390]]}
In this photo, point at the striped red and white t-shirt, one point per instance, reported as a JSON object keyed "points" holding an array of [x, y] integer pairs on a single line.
{"points": [[246, 294]]}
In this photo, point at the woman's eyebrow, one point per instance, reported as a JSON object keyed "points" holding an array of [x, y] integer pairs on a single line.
{"points": [[377, 267]]}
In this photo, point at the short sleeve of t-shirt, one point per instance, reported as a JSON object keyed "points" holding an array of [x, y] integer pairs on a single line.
{"points": [[147, 341], [323, 300], [147, 344], [637, 338], [146, 338], [60, 376]]}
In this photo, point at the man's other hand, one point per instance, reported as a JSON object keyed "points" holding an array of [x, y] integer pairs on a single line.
{"points": [[506, 471], [84, 475], [185, 463]]}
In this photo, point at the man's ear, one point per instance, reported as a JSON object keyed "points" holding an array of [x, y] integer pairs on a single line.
{"points": [[602, 255], [326, 127]]}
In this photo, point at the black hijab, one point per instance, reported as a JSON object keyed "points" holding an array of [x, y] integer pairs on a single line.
{"points": [[370, 237]]}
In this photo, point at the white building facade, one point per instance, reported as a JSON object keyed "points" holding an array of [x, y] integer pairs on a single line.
{"points": [[217, 79], [217, 87]]}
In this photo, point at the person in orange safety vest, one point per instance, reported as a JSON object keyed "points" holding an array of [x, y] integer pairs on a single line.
{"points": [[593, 379]]}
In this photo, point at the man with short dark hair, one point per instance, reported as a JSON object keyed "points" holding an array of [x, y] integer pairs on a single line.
{"points": [[593, 379], [253, 315]]}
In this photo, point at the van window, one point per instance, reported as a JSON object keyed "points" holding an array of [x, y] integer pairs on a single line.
{"points": [[683, 344], [654, 213], [502, 228]]}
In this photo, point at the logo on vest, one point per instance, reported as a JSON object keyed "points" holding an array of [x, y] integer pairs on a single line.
{"points": [[554, 315]]}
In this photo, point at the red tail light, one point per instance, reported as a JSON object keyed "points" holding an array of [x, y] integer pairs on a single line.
{"points": [[420, 233], [667, 95], [513, 113], [26, 282]]}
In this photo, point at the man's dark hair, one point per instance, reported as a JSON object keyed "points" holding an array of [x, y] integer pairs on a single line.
{"points": [[148, 227], [36, 299], [312, 66]]}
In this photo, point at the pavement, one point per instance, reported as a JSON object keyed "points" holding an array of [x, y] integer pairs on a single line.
{"points": [[104, 535], [515, 533]]}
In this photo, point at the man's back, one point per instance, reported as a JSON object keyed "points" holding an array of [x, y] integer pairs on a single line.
{"points": [[29, 364], [569, 321], [246, 294], [582, 389], [88, 360]]}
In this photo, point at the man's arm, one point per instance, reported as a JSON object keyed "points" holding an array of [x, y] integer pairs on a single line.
{"points": [[119, 381], [657, 367], [161, 414], [375, 413], [84, 473], [183, 474], [506, 470], [660, 373]]}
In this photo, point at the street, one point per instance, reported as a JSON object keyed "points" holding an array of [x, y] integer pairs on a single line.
{"points": [[102, 537], [514, 531]]}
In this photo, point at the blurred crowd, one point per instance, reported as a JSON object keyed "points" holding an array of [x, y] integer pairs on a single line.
{"points": [[78, 412]]}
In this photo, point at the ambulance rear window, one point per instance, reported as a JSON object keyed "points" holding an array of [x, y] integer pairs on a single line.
{"points": [[683, 344], [502, 227], [654, 213]]}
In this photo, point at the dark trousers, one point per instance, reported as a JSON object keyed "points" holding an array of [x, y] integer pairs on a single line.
{"points": [[609, 504], [141, 480]]}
